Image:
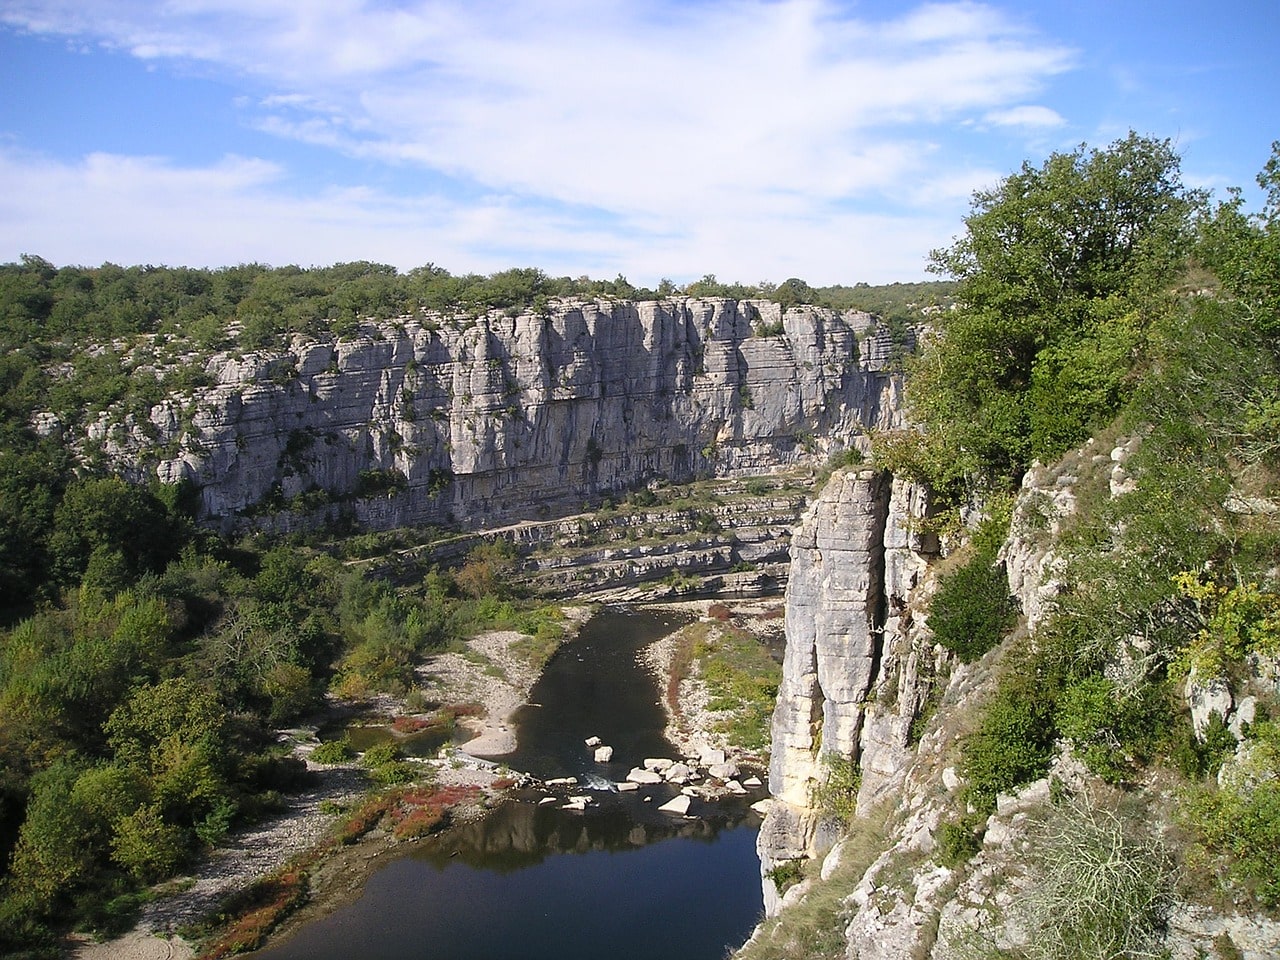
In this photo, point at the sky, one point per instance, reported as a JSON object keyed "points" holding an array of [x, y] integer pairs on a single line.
{"points": [[756, 140]]}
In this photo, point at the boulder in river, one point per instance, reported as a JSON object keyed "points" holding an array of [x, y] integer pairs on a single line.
{"points": [[677, 805], [603, 754]]}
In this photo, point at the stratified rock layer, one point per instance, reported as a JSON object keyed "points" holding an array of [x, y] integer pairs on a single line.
{"points": [[500, 418]]}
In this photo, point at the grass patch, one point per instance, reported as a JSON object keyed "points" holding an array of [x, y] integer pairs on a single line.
{"points": [[742, 679]]}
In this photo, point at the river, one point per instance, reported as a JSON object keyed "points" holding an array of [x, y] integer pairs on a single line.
{"points": [[620, 879]]}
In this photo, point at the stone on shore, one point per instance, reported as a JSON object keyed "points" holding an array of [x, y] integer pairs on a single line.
{"points": [[723, 771], [707, 756]]}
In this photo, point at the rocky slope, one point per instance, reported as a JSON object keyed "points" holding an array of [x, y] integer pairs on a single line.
{"points": [[483, 420], [865, 683]]}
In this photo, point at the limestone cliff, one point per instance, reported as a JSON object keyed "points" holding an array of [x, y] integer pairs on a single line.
{"points": [[865, 682], [856, 666], [432, 419]]}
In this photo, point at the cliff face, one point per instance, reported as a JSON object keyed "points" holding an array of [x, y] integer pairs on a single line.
{"points": [[864, 681], [856, 666], [486, 420]]}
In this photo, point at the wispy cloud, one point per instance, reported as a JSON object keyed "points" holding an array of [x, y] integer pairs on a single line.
{"points": [[737, 127], [1026, 116]]}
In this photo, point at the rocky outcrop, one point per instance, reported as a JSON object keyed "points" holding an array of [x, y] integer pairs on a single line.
{"points": [[476, 421], [901, 887], [857, 664]]}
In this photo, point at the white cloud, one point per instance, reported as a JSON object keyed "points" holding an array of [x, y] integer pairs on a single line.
{"points": [[144, 210], [741, 128], [1026, 116]]}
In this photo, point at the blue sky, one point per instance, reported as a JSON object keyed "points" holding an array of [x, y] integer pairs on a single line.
{"points": [[753, 139]]}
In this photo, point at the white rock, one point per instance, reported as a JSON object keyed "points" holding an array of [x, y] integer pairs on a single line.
{"points": [[562, 782], [762, 806], [603, 754], [723, 771], [657, 763], [626, 786], [752, 782], [677, 773], [643, 776], [733, 786], [950, 779], [710, 755], [546, 800], [593, 741], [678, 805], [1246, 712]]}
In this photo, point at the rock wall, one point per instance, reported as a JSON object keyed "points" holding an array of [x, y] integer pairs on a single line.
{"points": [[900, 711], [857, 664], [477, 421]]}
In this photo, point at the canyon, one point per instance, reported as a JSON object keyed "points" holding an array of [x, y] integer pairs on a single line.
{"points": [[523, 426]]}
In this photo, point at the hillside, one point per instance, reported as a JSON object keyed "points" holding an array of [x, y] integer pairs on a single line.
{"points": [[1032, 653]]}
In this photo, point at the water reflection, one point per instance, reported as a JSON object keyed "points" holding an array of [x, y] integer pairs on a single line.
{"points": [[523, 832], [533, 880]]}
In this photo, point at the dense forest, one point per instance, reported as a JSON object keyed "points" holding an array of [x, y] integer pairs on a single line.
{"points": [[144, 661]]}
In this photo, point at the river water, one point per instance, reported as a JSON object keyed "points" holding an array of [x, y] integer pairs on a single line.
{"points": [[530, 881]]}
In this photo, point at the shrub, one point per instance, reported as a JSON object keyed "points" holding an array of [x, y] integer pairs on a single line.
{"points": [[333, 751], [959, 840], [1015, 739], [837, 792], [972, 608], [1103, 886]]}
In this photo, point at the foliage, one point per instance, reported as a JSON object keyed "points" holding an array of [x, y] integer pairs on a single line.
{"points": [[333, 751], [1239, 620], [1051, 264], [1240, 817], [959, 840], [742, 679], [972, 609], [1103, 887], [1014, 740], [836, 793]]}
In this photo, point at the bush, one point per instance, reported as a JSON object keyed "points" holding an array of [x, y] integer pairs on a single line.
{"points": [[837, 793], [1015, 740], [1103, 888], [972, 609], [959, 840], [333, 751]]}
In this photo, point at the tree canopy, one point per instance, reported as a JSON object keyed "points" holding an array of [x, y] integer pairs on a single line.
{"points": [[1050, 269]]}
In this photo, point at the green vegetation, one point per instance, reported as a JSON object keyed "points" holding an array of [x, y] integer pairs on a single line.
{"points": [[742, 678], [1055, 275], [1097, 296], [1103, 888], [137, 702], [972, 609], [836, 793]]}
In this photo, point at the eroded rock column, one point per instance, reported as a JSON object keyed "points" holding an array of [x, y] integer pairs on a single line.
{"points": [[835, 607]]}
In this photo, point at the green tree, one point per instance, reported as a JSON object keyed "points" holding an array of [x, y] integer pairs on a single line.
{"points": [[108, 516], [1049, 269]]}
